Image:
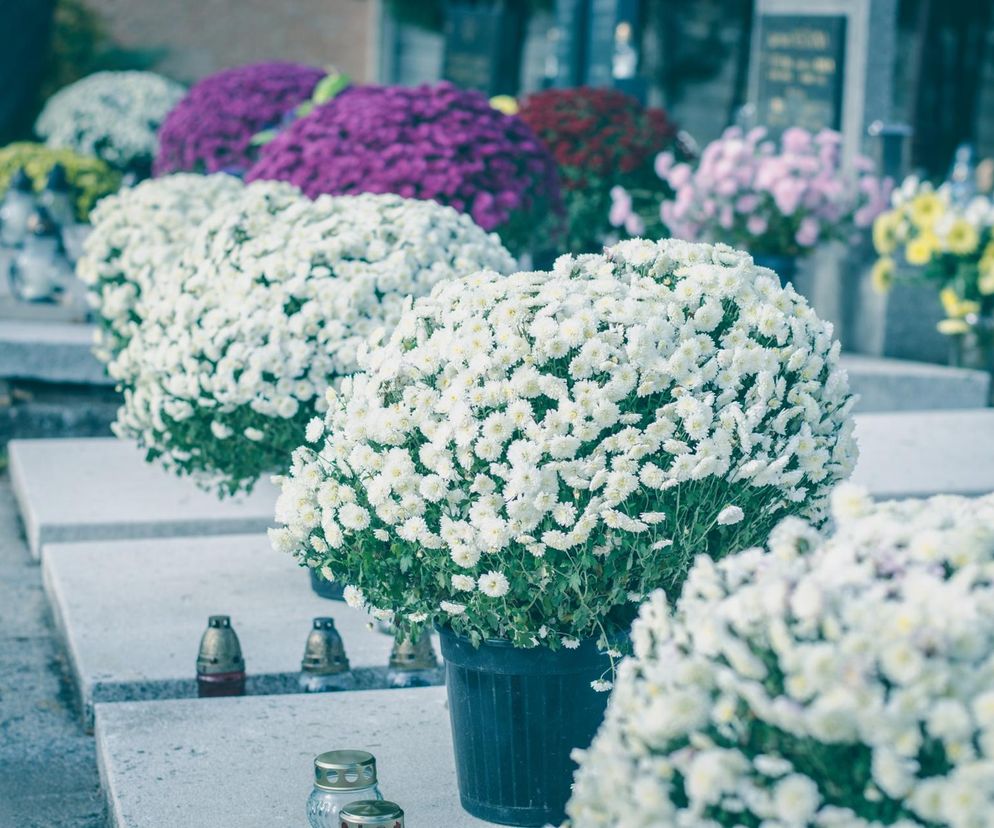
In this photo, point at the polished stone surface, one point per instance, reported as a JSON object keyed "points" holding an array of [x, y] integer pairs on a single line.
{"points": [[131, 614], [102, 489], [247, 762]]}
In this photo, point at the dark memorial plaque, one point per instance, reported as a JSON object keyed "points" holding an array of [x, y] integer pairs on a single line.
{"points": [[483, 47], [801, 67], [600, 41], [571, 27]]}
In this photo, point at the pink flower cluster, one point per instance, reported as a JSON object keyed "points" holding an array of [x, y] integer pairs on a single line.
{"points": [[751, 193]]}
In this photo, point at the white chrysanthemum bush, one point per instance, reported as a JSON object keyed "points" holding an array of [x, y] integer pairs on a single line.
{"points": [[270, 306], [526, 457], [138, 236], [843, 680], [111, 115]]}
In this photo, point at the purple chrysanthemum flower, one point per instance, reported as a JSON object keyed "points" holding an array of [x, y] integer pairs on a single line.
{"points": [[211, 128], [427, 142]]}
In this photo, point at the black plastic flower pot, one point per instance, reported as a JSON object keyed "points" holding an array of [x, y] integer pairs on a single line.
{"points": [[784, 266], [333, 590], [516, 716]]}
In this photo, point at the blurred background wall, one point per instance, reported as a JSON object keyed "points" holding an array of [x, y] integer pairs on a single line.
{"points": [[195, 37]]}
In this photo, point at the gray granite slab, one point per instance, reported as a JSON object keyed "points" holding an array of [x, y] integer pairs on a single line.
{"points": [[131, 614], [102, 489], [247, 763], [900, 385], [49, 351], [923, 453]]}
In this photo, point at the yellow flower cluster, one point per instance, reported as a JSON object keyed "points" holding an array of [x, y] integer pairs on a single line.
{"points": [[951, 242]]}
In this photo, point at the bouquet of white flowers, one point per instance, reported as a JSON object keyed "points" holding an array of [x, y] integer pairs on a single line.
{"points": [[138, 236], [111, 115], [527, 456], [831, 681], [271, 304]]}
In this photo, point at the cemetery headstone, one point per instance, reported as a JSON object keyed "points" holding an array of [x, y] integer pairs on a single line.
{"points": [[801, 69], [823, 63]]}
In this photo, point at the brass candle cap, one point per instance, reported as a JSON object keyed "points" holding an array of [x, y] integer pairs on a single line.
{"points": [[368, 812], [324, 652], [220, 651], [407, 655], [344, 770]]}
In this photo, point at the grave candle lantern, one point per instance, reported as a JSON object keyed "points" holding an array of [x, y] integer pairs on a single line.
{"points": [[325, 666], [40, 269], [411, 663], [220, 666], [340, 778], [16, 209], [57, 197]]}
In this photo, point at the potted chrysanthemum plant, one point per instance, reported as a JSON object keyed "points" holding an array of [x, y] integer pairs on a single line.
{"points": [[527, 458], [778, 200], [138, 235], [839, 680], [271, 303], [437, 142], [113, 116], [216, 126]]}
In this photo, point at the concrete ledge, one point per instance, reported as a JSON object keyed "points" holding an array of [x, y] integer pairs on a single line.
{"points": [[919, 454], [102, 489], [50, 352], [247, 763], [899, 385], [131, 614]]}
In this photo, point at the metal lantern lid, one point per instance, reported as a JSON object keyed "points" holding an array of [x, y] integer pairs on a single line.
{"points": [[21, 182], [344, 770], [368, 812], [220, 651], [57, 179], [324, 652], [408, 655]]}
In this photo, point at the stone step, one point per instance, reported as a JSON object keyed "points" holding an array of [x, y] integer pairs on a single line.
{"points": [[49, 352], [102, 489], [919, 454], [131, 614], [247, 762], [900, 385], [94, 489]]}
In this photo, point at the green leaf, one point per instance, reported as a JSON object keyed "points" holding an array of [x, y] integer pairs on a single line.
{"points": [[329, 86], [263, 137]]}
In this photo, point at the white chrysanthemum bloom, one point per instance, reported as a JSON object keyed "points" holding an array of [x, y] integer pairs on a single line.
{"points": [[111, 115], [834, 680], [138, 235], [270, 306], [582, 433]]}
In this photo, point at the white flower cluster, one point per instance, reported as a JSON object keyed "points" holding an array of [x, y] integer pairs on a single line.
{"points": [[271, 303], [539, 450], [111, 115], [138, 236], [832, 681]]}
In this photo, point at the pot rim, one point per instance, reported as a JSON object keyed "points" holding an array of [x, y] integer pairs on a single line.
{"points": [[501, 656]]}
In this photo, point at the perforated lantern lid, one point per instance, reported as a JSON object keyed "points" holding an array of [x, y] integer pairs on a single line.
{"points": [[370, 812], [344, 770]]}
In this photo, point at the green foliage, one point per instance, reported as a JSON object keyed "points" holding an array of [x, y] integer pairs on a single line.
{"points": [[81, 46], [91, 178]]}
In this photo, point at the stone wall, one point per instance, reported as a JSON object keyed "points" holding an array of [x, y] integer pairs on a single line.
{"points": [[197, 37]]}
